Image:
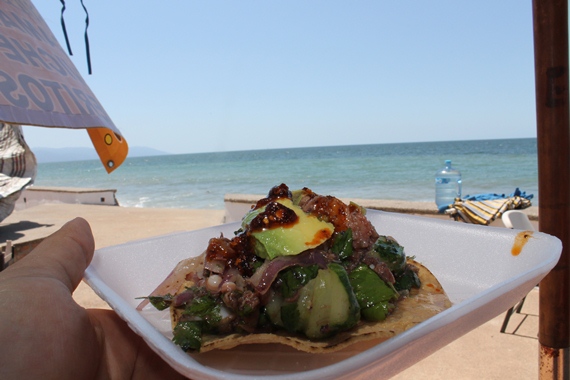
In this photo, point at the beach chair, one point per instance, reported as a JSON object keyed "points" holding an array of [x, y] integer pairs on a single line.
{"points": [[518, 220], [485, 208]]}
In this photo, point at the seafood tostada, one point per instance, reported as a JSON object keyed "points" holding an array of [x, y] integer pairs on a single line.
{"points": [[304, 270]]}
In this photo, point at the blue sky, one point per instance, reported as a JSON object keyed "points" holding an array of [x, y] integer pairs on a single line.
{"points": [[201, 76]]}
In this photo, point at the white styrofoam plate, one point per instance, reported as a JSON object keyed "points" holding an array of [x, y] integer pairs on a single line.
{"points": [[475, 265]]}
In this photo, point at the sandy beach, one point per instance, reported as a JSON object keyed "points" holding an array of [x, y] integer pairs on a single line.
{"points": [[482, 353]]}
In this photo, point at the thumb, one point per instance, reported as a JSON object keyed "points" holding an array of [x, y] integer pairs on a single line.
{"points": [[64, 255]]}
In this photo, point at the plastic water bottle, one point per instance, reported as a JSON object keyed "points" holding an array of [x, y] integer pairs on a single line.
{"points": [[447, 185]]}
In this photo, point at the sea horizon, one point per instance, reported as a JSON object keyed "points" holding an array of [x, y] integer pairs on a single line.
{"points": [[399, 171], [145, 152]]}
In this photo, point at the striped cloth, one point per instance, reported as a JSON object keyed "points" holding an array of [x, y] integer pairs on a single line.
{"points": [[17, 167], [484, 211]]}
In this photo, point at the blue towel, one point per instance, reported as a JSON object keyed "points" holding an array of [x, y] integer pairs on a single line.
{"points": [[491, 196]]}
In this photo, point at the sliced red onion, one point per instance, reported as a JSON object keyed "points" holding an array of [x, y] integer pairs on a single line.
{"points": [[265, 275], [183, 298]]}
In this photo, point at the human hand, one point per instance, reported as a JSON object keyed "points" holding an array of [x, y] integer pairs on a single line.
{"points": [[44, 334]]}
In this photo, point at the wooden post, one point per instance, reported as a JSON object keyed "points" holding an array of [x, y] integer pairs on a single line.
{"points": [[553, 137]]}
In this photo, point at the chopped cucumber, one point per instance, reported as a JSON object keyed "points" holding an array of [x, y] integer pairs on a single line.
{"points": [[325, 305]]}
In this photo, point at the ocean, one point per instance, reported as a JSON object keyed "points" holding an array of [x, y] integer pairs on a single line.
{"points": [[403, 171]]}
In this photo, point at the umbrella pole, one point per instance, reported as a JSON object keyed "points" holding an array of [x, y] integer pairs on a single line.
{"points": [[553, 138]]}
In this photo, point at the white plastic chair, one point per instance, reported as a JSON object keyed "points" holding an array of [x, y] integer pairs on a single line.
{"points": [[517, 220]]}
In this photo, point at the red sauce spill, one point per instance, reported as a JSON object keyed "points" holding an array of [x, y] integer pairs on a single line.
{"points": [[520, 240]]}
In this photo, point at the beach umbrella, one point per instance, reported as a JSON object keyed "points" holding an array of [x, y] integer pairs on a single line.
{"points": [[40, 86], [550, 19]]}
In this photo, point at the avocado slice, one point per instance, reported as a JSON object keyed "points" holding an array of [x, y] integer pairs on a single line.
{"points": [[291, 239]]}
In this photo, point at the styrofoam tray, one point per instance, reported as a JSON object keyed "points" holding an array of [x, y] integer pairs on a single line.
{"points": [[474, 264]]}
